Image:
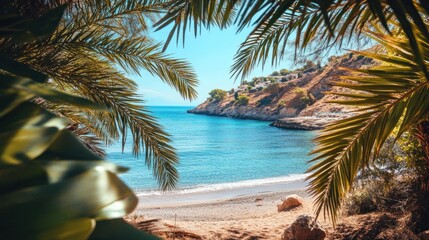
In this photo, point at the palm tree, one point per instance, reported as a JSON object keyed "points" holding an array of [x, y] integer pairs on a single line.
{"points": [[93, 40], [63, 190], [393, 95]]}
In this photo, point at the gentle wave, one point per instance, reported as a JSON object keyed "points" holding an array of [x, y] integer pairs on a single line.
{"points": [[227, 186]]}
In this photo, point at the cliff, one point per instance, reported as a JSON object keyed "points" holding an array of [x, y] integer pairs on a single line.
{"points": [[297, 99]]}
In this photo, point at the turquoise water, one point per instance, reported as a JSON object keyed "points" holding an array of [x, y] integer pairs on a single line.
{"points": [[217, 152]]}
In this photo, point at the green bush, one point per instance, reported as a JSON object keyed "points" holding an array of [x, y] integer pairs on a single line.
{"points": [[265, 101], [303, 95], [309, 64], [284, 72], [386, 184], [300, 91], [273, 88], [242, 100], [217, 94], [275, 73]]}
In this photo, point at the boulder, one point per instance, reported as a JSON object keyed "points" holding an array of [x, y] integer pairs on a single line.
{"points": [[291, 201], [304, 228]]}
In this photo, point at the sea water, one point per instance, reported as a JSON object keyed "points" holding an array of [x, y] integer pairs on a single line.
{"points": [[219, 153]]}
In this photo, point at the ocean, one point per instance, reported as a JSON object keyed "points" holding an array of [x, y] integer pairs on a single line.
{"points": [[218, 153]]}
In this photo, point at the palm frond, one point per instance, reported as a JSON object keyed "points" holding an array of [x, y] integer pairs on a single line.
{"points": [[94, 38], [136, 54], [394, 94], [123, 17], [258, 47], [98, 81], [326, 23], [195, 14]]}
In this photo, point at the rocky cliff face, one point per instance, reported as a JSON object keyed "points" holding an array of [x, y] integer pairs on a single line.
{"points": [[301, 97]]}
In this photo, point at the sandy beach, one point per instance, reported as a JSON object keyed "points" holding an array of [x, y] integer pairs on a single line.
{"points": [[253, 216]]}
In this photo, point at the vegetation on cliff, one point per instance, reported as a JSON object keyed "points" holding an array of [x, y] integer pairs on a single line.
{"points": [[294, 93]]}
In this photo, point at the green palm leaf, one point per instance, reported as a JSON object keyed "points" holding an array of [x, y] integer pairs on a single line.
{"points": [[92, 40], [303, 23], [394, 94], [46, 174]]}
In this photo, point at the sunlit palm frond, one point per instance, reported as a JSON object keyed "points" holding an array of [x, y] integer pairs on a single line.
{"points": [[122, 41], [394, 94], [123, 17], [195, 14], [81, 125], [323, 22], [93, 39], [97, 80], [136, 54], [259, 46]]}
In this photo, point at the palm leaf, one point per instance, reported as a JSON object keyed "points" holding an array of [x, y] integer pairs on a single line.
{"points": [[393, 93], [61, 198], [80, 58], [324, 23]]}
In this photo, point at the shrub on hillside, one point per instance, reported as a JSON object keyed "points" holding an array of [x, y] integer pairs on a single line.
{"points": [[217, 94], [275, 73], [235, 95], [265, 101], [281, 103], [309, 64], [271, 79], [386, 184], [284, 72], [303, 95], [273, 88], [242, 100]]}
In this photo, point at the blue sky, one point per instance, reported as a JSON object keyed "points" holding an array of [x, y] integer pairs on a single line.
{"points": [[211, 55]]}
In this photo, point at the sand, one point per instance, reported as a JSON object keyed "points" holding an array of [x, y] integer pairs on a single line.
{"points": [[249, 217]]}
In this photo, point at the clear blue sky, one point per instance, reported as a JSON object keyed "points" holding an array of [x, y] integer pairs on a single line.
{"points": [[211, 55]]}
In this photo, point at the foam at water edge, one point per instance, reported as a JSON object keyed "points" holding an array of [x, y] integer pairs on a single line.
{"points": [[227, 186]]}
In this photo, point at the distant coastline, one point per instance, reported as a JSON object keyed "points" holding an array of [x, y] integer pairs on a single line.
{"points": [[298, 99]]}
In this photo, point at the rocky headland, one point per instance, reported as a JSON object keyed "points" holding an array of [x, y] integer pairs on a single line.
{"points": [[298, 99]]}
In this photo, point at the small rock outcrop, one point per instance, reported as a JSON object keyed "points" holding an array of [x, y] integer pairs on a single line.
{"points": [[291, 201], [303, 123], [305, 227]]}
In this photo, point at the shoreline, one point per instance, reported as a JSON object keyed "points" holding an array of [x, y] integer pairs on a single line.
{"points": [[305, 123], [235, 208], [178, 199], [253, 216]]}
